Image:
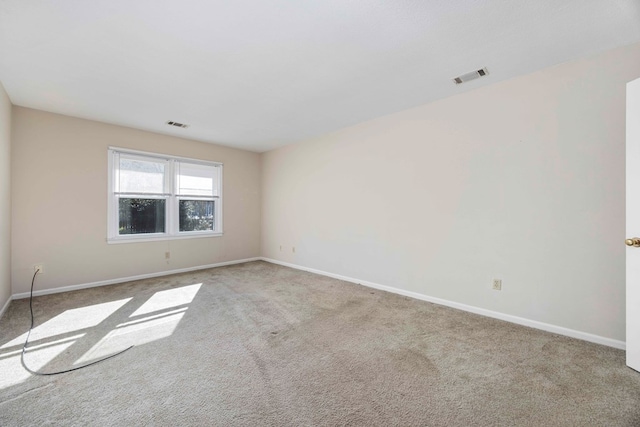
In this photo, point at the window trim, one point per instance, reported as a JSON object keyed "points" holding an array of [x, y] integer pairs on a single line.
{"points": [[172, 200]]}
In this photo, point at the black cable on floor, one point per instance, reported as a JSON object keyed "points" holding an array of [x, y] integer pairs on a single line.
{"points": [[26, 342]]}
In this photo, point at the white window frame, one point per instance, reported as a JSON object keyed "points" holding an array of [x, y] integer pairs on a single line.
{"points": [[172, 200]]}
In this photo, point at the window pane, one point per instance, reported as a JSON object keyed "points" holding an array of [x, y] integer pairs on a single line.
{"points": [[141, 176], [137, 216], [196, 215], [197, 180]]}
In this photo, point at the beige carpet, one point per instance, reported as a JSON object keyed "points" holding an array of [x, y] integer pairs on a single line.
{"points": [[259, 344]]}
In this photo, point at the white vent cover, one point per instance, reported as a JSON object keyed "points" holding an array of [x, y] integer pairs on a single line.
{"points": [[471, 76], [176, 124]]}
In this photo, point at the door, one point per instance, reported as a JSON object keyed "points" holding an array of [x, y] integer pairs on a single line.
{"points": [[633, 224]]}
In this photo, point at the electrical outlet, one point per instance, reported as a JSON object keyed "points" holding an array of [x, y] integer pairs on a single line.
{"points": [[293, 249], [497, 285], [39, 268], [280, 248], [167, 255]]}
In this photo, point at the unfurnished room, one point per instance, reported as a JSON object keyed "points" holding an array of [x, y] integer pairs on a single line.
{"points": [[320, 213]]}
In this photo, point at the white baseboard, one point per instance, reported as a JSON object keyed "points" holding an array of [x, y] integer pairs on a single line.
{"points": [[129, 279], [4, 308], [489, 313], [472, 309]]}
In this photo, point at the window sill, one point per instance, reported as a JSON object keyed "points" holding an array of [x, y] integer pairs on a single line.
{"points": [[140, 239]]}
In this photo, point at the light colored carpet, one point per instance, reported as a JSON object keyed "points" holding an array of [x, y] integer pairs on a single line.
{"points": [[262, 345]]}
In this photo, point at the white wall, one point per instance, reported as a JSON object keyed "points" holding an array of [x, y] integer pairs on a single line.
{"points": [[5, 198], [59, 186], [522, 180]]}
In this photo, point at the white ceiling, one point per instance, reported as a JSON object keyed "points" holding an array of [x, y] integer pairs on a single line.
{"points": [[259, 74]]}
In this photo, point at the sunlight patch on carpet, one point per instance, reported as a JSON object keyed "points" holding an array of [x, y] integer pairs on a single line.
{"points": [[36, 358], [135, 333], [70, 321], [170, 298]]}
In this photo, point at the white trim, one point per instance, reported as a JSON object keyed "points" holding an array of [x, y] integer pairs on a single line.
{"points": [[472, 309], [138, 238], [170, 195], [130, 278], [163, 156], [6, 306], [469, 308]]}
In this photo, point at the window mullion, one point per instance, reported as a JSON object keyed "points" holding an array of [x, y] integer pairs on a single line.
{"points": [[171, 189]]}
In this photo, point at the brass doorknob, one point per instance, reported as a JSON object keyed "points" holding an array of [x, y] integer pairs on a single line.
{"points": [[634, 241]]}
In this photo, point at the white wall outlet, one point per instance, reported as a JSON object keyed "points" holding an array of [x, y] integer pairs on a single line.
{"points": [[293, 249], [167, 255], [39, 268], [497, 285], [280, 248]]}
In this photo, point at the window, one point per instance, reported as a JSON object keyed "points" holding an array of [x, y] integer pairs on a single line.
{"points": [[156, 197]]}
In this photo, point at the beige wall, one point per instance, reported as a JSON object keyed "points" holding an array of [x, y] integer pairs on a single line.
{"points": [[5, 198], [522, 180], [59, 189]]}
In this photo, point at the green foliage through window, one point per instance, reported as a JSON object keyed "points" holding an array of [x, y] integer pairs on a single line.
{"points": [[141, 216], [196, 215]]}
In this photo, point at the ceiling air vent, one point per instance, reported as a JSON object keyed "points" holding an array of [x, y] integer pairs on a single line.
{"points": [[176, 124], [471, 76]]}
